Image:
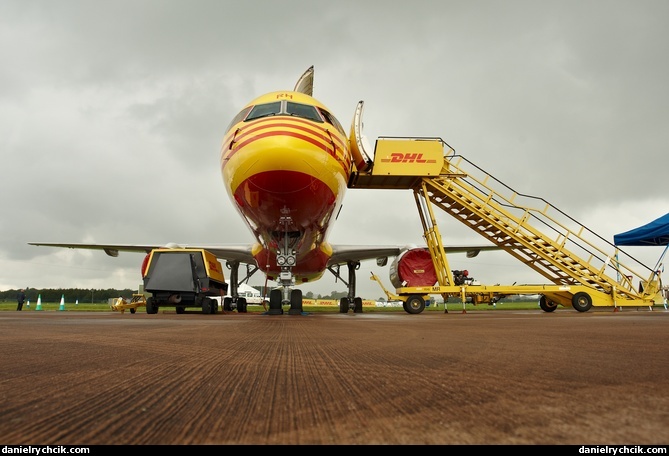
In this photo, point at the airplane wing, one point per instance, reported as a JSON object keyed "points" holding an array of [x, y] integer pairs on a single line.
{"points": [[470, 250], [242, 252], [344, 253], [239, 252]]}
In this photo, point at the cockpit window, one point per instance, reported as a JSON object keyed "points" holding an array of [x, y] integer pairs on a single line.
{"points": [[264, 110], [333, 120], [302, 110], [239, 117], [285, 108]]}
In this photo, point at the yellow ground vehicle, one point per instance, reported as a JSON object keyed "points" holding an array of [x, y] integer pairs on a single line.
{"points": [[183, 278], [122, 304]]}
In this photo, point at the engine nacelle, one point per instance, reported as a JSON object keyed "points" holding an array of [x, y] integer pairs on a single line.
{"points": [[413, 268]]}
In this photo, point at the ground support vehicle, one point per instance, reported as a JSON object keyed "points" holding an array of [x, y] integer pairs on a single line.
{"points": [[183, 278], [583, 269], [122, 304]]}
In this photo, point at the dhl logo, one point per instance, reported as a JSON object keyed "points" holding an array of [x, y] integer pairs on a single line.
{"points": [[398, 157]]}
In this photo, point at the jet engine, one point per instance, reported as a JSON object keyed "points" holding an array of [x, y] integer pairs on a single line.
{"points": [[414, 268]]}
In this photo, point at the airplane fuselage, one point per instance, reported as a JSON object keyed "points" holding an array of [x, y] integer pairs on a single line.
{"points": [[286, 161]]}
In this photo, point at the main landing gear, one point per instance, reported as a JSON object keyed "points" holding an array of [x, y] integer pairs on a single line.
{"points": [[350, 302], [234, 301]]}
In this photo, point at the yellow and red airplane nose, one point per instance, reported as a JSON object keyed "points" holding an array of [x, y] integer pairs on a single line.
{"points": [[283, 166]]}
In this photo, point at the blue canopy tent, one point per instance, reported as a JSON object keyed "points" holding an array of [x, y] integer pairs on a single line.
{"points": [[653, 233]]}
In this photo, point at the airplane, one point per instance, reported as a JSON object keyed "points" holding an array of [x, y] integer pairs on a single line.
{"points": [[286, 162]]}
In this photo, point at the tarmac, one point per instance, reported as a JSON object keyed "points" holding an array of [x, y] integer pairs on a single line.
{"points": [[388, 378]]}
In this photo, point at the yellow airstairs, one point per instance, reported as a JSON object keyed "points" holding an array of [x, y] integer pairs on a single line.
{"points": [[583, 268]]}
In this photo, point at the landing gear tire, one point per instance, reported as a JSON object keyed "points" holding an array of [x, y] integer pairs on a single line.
{"points": [[546, 305], [275, 303], [151, 307], [295, 302], [181, 309], [241, 305], [414, 304], [357, 305], [132, 311], [227, 304], [343, 305], [581, 301]]}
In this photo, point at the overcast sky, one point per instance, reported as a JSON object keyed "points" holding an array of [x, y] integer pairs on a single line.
{"points": [[112, 116]]}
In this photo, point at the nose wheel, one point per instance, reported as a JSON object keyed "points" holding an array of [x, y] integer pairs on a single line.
{"points": [[276, 301]]}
